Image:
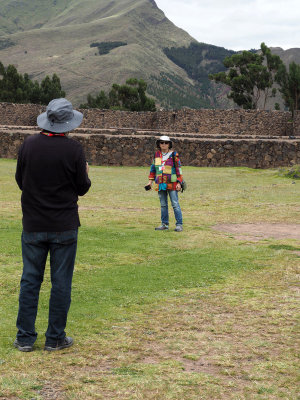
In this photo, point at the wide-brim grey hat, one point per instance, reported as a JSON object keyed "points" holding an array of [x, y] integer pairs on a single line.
{"points": [[59, 117]]}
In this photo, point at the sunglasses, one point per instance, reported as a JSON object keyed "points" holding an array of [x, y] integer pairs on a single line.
{"points": [[164, 142]]}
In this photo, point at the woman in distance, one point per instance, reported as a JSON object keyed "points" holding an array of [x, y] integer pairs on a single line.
{"points": [[167, 175]]}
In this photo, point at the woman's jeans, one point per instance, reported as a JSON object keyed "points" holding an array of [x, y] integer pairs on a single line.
{"points": [[35, 248], [163, 197]]}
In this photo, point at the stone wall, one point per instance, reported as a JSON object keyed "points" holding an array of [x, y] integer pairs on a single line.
{"points": [[198, 122], [133, 151], [103, 149], [257, 139], [296, 128]]}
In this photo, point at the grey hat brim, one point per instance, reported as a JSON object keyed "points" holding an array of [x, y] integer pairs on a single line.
{"points": [[60, 127]]}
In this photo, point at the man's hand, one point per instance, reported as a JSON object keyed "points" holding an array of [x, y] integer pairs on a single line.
{"points": [[87, 168], [178, 187]]}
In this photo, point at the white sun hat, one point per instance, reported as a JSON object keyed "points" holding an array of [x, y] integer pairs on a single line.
{"points": [[164, 138]]}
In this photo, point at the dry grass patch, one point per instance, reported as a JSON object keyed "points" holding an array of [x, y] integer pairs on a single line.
{"points": [[232, 341], [259, 231]]}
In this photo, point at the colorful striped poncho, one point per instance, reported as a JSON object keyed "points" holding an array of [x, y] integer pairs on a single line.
{"points": [[165, 174]]}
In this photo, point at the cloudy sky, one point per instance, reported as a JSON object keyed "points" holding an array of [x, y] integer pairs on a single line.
{"points": [[237, 24]]}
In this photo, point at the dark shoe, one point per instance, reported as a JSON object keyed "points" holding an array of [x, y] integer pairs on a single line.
{"points": [[178, 228], [67, 342], [162, 227], [23, 347]]}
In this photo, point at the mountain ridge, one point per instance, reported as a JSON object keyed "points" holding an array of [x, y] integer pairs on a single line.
{"points": [[65, 50], [58, 39]]}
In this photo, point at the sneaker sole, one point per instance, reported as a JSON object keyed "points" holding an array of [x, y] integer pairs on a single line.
{"points": [[23, 348], [65, 346]]}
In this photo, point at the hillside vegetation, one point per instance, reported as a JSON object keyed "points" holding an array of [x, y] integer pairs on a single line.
{"points": [[55, 37], [42, 38]]}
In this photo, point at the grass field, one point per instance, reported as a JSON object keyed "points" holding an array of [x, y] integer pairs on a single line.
{"points": [[195, 315]]}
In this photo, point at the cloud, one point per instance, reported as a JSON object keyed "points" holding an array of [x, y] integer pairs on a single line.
{"points": [[237, 24]]}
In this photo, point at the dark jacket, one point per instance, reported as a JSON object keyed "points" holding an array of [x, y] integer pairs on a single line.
{"points": [[51, 172]]}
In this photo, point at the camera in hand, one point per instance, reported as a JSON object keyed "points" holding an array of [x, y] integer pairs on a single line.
{"points": [[148, 187]]}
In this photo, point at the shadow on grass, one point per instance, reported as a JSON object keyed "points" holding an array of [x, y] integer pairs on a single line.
{"points": [[283, 247]]}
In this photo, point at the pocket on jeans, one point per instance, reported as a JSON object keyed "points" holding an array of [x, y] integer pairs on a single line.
{"points": [[67, 237], [29, 237]]}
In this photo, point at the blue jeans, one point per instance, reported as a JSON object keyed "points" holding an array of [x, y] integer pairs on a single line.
{"points": [[163, 197], [35, 248]]}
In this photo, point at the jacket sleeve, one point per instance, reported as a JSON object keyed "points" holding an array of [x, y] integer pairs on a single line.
{"points": [[83, 182], [178, 167], [152, 173], [18, 175]]}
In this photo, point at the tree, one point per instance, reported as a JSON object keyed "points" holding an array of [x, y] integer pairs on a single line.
{"points": [[251, 77], [274, 63], [11, 84], [51, 89], [18, 88], [289, 82], [113, 95], [131, 97]]}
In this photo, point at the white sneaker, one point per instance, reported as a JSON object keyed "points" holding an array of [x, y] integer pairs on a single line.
{"points": [[178, 228]]}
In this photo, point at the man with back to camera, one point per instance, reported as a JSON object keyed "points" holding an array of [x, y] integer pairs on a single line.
{"points": [[51, 172]]}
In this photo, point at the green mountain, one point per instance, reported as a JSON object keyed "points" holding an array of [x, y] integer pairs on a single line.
{"points": [[65, 37], [90, 44]]}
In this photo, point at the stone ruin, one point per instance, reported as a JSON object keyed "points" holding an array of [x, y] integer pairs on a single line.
{"points": [[216, 138]]}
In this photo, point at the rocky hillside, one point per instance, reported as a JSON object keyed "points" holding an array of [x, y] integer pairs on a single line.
{"points": [[91, 44]]}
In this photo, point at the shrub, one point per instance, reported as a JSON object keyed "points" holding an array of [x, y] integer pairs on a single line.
{"points": [[292, 172]]}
